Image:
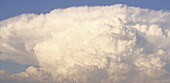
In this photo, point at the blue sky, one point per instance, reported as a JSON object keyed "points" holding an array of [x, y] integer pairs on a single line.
{"points": [[10, 8], [14, 67]]}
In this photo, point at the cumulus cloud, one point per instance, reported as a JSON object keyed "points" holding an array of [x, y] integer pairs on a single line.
{"points": [[102, 44]]}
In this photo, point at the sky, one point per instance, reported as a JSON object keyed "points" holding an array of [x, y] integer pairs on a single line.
{"points": [[26, 49], [10, 8]]}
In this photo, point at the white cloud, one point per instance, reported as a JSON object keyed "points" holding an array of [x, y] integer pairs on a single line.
{"points": [[89, 45]]}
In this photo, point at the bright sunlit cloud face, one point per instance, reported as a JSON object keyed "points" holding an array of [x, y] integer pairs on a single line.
{"points": [[108, 44]]}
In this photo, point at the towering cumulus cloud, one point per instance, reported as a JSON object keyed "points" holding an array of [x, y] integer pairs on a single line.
{"points": [[103, 44]]}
